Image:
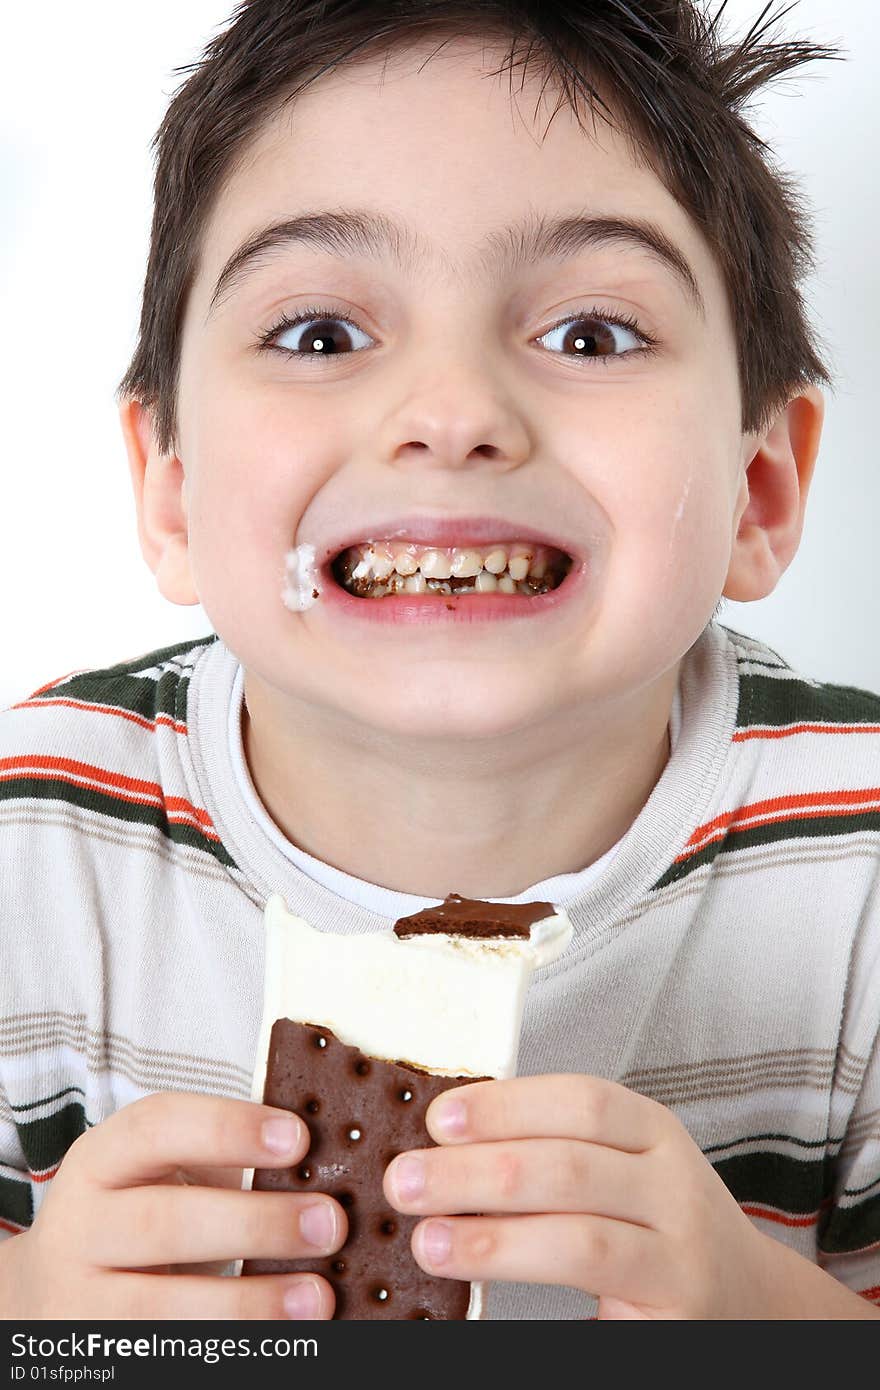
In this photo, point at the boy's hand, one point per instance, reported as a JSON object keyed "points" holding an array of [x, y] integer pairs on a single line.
{"points": [[146, 1203], [596, 1187]]}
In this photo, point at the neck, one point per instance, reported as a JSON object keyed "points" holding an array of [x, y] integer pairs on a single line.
{"points": [[486, 820]]}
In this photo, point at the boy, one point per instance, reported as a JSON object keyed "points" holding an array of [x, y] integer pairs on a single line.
{"points": [[691, 1132]]}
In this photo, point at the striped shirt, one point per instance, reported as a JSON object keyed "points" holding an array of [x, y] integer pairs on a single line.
{"points": [[725, 961]]}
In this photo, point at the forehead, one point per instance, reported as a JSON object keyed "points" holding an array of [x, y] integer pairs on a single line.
{"points": [[453, 153]]}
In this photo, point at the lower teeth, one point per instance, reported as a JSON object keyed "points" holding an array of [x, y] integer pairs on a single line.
{"points": [[397, 585]]}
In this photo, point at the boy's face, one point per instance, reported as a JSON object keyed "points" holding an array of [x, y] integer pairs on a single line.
{"points": [[442, 402]]}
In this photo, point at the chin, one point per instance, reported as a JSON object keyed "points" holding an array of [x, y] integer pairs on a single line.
{"points": [[453, 716]]}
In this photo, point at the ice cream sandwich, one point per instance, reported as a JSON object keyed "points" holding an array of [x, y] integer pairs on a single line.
{"points": [[359, 1034]]}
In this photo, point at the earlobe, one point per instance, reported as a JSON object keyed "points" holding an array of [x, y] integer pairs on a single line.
{"points": [[778, 481], [173, 573], [160, 500]]}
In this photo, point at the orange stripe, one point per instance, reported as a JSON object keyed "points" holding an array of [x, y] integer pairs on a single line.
{"points": [[46, 1175], [795, 805], [798, 800], [11, 1226], [164, 719], [779, 1218], [789, 729], [90, 770], [189, 814], [186, 817], [766, 820], [107, 781]]}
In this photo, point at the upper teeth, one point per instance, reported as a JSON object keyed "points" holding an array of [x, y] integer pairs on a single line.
{"points": [[378, 560]]}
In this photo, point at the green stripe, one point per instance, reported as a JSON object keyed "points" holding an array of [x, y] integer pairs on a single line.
{"points": [[35, 1104], [91, 799], [851, 1228], [794, 1186], [122, 686], [792, 828], [797, 1188], [46, 1141], [793, 1139], [775, 702], [16, 1202], [772, 702], [155, 658]]}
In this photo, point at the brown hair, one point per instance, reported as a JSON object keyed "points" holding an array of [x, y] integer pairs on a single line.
{"points": [[676, 89]]}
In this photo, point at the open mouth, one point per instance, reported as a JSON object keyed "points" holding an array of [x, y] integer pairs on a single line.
{"points": [[381, 569]]}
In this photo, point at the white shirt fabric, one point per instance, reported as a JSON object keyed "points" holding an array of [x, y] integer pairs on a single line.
{"points": [[386, 901]]}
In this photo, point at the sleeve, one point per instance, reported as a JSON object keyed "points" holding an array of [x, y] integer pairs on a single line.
{"points": [[46, 877], [849, 1232], [16, 1188]]}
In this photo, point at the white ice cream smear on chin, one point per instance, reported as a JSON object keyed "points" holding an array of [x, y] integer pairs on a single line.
{"points": [[301, 589]]}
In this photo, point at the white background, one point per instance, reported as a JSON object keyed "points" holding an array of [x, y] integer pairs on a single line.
{"points": [[84, 88]]}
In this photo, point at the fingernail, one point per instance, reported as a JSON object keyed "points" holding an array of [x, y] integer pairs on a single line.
{"points": [[436, 1242], [281, 1135], [302, 1300], [318, 1224], [408, 1178], [450, 1118]]}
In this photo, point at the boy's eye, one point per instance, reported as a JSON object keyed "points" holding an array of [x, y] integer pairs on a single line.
{"points": [[314, 333], [591, 335]]}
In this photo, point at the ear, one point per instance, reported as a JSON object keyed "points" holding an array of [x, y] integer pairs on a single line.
{"points": [[160, 498], [773, 498]]}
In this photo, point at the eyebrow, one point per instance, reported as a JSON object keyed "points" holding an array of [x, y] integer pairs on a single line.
{"points": [[360, 232]]}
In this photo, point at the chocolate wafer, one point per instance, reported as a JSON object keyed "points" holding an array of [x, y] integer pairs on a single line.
{"points": [[361, 1112]]}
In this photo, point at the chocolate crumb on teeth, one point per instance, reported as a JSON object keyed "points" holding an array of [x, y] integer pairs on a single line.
{"points": [[370, 574], [469, 917]]}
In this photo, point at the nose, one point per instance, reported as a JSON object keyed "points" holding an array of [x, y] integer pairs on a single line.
{"points": [[460, 419]]}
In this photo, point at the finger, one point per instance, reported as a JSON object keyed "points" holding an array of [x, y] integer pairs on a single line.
{"points": [[195, 1176], [152, 1138], [143, 1226], [161, 1297], [529, 1175], [584, 1252], [555, 1107]]}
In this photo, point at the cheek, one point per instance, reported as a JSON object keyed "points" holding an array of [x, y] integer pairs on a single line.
{"points": [[673, 560], [247, 494], [693, 534]]}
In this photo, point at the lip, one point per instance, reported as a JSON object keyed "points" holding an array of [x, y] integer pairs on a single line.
{"points": [[443, 531], [428, 609]]}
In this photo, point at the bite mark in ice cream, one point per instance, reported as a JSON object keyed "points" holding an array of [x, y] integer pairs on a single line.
{"points": [[449, 1003], [474, 918], [301, 588]]}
